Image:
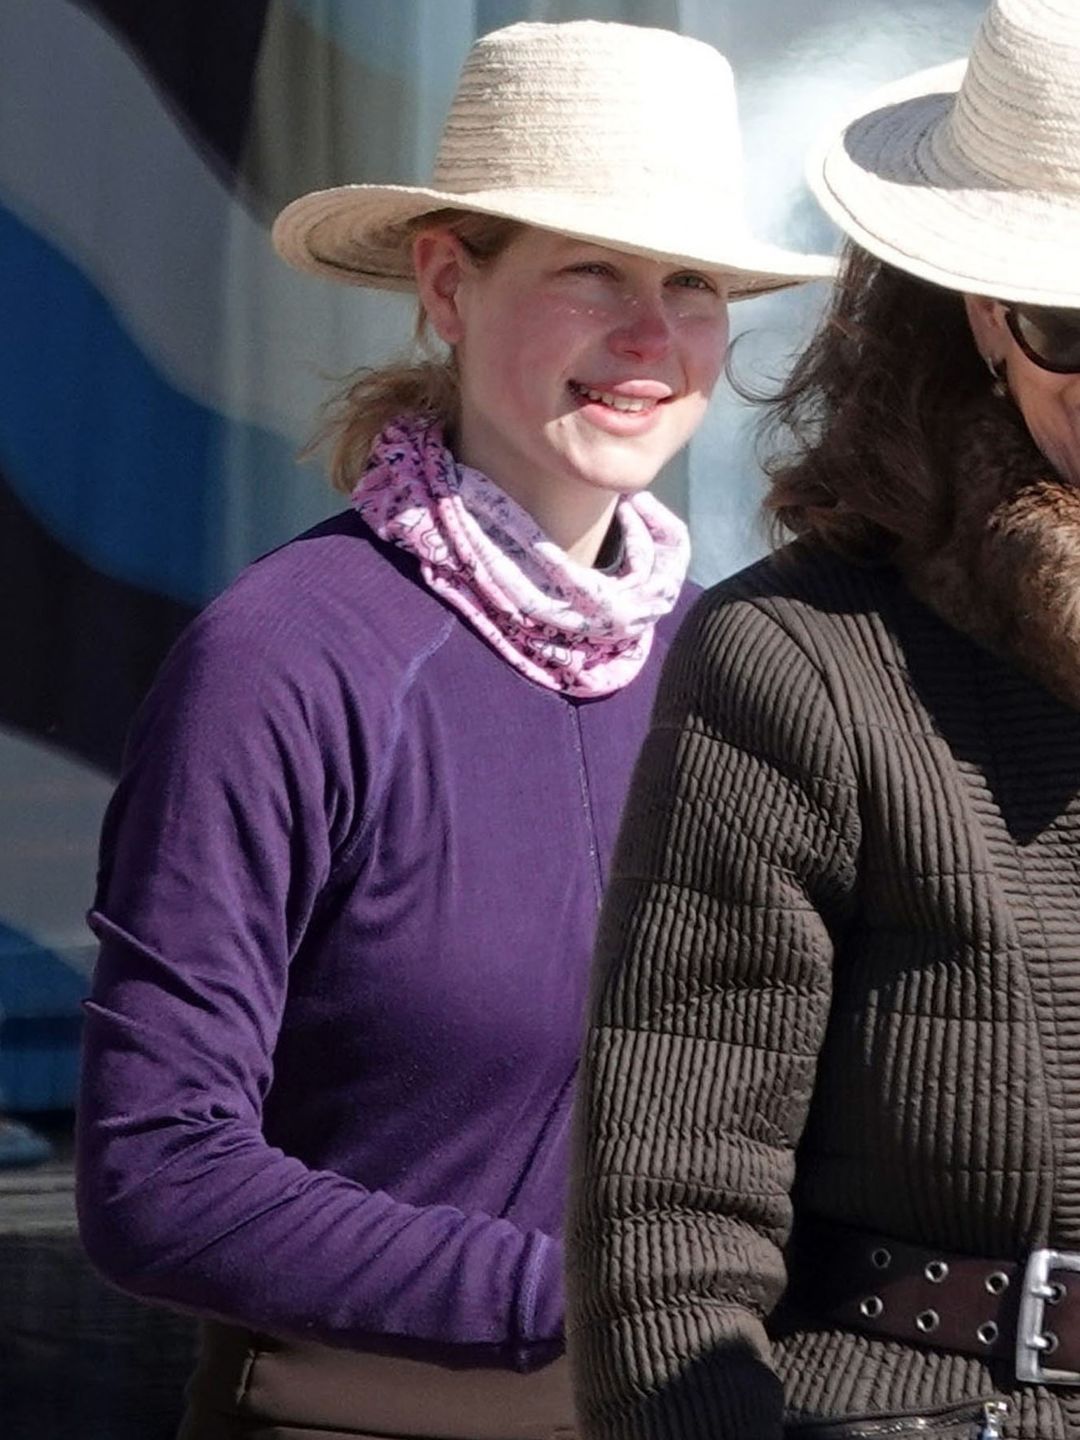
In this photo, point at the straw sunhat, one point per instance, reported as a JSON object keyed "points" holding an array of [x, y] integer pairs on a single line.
{"points": [[611, 133], [971, 178]]}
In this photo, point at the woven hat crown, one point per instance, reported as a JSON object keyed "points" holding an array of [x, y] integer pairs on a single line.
{"points": [[614, 134], [561, 108], [1017, 115], [969, 177]]}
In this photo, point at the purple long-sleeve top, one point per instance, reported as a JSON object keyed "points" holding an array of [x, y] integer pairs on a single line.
{"points": [[346, 902]]}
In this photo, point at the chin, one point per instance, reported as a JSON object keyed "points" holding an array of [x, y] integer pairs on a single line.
{"points": [[613, 482], [622, 473], [1069, 468]]}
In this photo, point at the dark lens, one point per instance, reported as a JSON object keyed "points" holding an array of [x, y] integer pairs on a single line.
{"points": [[1050, 336]]}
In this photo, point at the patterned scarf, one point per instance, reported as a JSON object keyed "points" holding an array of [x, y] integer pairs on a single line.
{"points": [[565, 625]]}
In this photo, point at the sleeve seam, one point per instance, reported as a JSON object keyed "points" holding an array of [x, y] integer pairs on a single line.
{"points": [[378, 790]]}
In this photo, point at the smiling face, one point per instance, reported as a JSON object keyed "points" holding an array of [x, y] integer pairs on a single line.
{"points": [[582, 369], [1049, 403]]}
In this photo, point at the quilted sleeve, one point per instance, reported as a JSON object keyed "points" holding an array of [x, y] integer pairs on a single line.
{"points": [[733, 873]]}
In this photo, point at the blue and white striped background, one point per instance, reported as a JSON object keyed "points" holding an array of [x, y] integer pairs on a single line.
{"points": [[159, 368]]}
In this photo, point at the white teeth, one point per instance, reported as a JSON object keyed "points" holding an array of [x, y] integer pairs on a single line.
{"points": [[616, 402]]}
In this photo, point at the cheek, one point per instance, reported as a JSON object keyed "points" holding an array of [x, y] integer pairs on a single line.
{"points": [[706, 350], [689, 414], [495, 358], [1050, 406], [1070, 398], [1041, 398], [538, 345]]}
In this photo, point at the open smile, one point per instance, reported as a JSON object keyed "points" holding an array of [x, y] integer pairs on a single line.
{"points": [[634, 404]]}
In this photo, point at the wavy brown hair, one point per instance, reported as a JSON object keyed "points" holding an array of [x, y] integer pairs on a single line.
{"points": [[861, 435], [420, 384]]}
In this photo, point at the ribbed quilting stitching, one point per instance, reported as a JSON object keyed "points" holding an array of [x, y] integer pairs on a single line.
{"points": [[923, 793]]}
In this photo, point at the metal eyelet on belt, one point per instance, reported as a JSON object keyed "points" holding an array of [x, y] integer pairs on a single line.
{"points": [[927, 1321], [987, 1332], [936, 1271], [997, 1282], [881, 1258], [871, 1307]]}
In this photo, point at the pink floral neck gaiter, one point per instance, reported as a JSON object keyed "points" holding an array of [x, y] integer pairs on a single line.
{"points": [[572, 628]]}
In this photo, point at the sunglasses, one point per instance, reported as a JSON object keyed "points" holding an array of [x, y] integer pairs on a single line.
{"points": [[1049, 338]]}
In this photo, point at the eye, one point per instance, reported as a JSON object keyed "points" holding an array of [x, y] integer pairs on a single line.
{"points": [[691, 280], [593, 267]]}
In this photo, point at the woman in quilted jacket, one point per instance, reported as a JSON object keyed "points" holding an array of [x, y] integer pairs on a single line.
{"points": [[828, 1176]]}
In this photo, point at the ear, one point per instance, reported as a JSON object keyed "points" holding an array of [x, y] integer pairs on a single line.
{"points": [[987, 320], [441, 263]]}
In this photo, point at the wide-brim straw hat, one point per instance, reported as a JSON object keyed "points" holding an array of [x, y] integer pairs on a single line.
{"points": [[617, 134], [968, 175]]}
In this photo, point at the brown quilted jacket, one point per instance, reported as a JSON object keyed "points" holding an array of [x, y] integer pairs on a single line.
{"points": [[838, 974]]}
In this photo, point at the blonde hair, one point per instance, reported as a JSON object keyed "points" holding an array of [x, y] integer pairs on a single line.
{"points": [[416, 385]]}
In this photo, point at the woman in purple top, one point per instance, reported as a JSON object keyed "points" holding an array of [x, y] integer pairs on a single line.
{"points": [[350, 876]]}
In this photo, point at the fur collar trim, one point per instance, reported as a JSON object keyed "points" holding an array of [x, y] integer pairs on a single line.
{"points": [[1006, 570]]}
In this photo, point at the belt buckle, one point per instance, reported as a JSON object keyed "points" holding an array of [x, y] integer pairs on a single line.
{"points": [[1032, 1341]]}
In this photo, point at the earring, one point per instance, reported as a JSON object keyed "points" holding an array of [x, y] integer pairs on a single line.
{"points": [[1000, 388]]}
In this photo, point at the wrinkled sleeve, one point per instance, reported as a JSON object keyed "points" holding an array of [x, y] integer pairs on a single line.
{"points": [[244, 787], [732, 876]]}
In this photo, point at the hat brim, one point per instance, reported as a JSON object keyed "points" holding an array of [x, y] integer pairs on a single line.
{"points": [[892, 180], [359, 235]]}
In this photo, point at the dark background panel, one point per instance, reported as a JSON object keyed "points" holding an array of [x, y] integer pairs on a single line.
{"points": [[202, 56], [77, 649]]}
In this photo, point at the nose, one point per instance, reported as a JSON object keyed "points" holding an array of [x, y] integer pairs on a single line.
{"points": [[644, 330]]}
